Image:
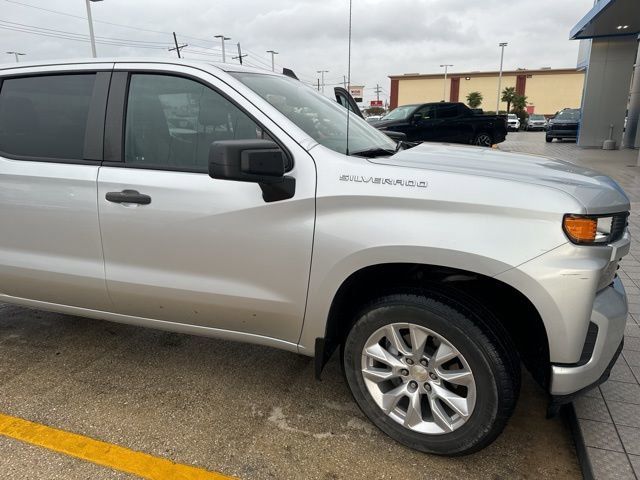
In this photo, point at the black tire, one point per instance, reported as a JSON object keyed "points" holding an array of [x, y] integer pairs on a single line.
{"points": [[495, 368], [548, 139]]}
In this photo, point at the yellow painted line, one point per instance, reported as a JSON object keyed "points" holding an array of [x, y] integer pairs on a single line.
{"points": [[101, 453]]}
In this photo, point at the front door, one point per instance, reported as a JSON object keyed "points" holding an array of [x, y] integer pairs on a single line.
{"points": [[182, 247]]}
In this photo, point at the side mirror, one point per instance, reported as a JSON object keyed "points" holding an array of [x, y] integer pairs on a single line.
{"points": [[416, 118], [257, 161]]}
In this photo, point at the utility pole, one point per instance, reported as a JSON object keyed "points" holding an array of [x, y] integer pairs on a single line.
{"points": [[501, 45], [378, 90], [318, 84], [177, 48], [322, 72], [90, 19], [222, 39], [444, 87], [344, 81], [240, 55], [273, 59], [17, 54]]}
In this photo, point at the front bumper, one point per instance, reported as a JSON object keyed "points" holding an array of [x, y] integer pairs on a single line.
{"points": [[610, 315], [562, 133]]}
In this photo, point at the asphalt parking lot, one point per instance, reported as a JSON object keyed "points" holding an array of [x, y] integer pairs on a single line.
{"points": [[241, 410]]}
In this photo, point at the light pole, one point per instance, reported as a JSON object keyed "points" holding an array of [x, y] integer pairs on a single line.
{"points": [[444, 87], [16, 55], [222, 39], [501, 45], [322, 72], [90, 19], [273, 59]]}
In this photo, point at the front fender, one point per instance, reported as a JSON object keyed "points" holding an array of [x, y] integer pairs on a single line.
{"points": [[325, 282]]}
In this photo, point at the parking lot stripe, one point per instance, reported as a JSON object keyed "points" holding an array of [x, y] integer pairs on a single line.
{"points": [[101, 453]]}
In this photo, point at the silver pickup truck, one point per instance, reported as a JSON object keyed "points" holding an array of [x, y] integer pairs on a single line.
{"points": [[241, 204]]}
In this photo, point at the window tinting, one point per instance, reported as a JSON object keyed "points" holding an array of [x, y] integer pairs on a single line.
{"points": [[447, 111], [45, 116], [172, 121]]}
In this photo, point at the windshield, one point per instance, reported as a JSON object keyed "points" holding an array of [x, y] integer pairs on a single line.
{"points": [[399, 113], [568, 115], [537, 117], [512, 116], [322, 119]]}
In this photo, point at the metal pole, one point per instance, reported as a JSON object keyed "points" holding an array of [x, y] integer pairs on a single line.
{"points": [[501, 45], [273, 59], [175, 40], [93, 38], [322, 72], [16, 54], [222, 40], [444, 87]]}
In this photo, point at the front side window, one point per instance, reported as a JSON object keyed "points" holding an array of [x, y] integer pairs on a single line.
{"points": [[45, 116], [172, 122], [427, 112]]}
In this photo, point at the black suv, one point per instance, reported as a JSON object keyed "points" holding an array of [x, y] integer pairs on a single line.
{"points": [[564, 125]]}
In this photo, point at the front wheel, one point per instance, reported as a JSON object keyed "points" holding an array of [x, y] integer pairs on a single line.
{"points": [[483, 140], [425, 373], [549, 139]]}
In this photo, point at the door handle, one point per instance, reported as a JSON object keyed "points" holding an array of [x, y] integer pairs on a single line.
{"points": [[128, 196]]}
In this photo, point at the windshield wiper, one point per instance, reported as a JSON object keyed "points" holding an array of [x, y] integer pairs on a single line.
{"points": [[373, 152]]}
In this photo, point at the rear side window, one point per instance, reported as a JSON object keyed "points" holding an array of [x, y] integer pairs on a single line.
{"points": [[45, 116], [447, 111], [172, 121]]}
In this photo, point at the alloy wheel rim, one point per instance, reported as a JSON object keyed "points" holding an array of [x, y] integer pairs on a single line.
{"points": [[483, 140], [418, 378]]}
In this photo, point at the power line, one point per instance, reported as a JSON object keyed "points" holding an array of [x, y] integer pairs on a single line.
{"points": [[110, 39], [84, 39], [138, 29]]}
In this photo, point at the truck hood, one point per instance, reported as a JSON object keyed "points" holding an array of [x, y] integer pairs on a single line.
{"points": [[595, 191]]}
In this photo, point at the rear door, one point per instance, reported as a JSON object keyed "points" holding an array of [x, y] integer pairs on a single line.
{"points": [[51, 130], [196, 250]]}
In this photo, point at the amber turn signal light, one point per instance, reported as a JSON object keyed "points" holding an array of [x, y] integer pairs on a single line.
{"points": [[580, 229]]}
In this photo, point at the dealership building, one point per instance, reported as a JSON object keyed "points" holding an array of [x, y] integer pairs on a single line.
{"points": [[547, 90], [608, 51]]}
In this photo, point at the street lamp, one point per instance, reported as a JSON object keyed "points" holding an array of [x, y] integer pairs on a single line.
{"points": [[444, 87], [322, 72], [273, 59], [16, 55], [90, 19], [222, 39], [501, 45]]}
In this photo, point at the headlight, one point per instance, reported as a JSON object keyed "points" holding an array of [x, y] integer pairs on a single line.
{"points": [[594, 229]]}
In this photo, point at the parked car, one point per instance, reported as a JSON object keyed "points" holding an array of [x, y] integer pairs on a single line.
{"points": [[564, 125], [435, 270], [444, 122], [536, 122], [513, 122], [373, 118]]}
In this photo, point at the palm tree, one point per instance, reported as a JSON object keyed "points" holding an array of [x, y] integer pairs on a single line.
{"points": [[508, 95], [474, 99], [519, 102]]}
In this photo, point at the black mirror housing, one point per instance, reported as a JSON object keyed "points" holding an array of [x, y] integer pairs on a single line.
{"points": [[246, 160], [256, 161]]}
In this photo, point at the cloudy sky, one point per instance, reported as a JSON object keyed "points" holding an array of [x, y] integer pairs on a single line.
{"points": [[389, 36]]}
